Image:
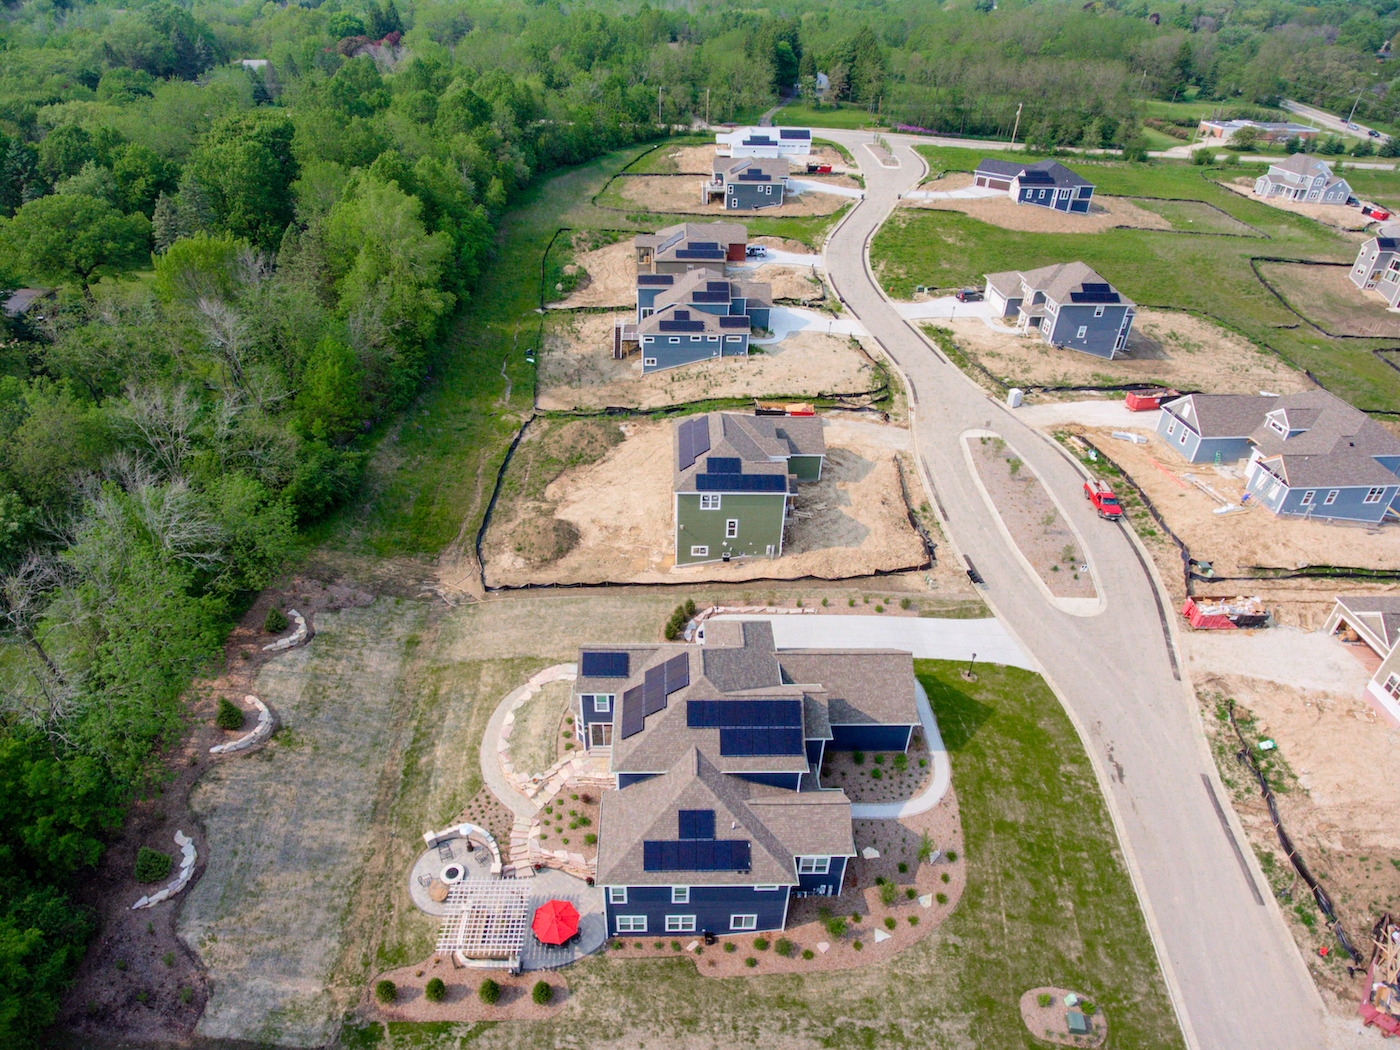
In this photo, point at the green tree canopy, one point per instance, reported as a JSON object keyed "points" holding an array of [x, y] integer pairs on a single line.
{"points": [[73, 238]]}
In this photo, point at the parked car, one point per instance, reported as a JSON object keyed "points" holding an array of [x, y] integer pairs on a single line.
{"points": [[969, 295], [1373, 133], [1103, 499], [755, 250]]}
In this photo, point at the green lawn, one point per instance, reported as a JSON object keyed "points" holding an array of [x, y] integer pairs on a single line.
{"points": [[1048, 901], [840, 115], [1210, 276]]}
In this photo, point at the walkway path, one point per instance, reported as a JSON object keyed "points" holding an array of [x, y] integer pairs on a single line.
{"points": [[937, 788], [966, 193], [1234, 973]]}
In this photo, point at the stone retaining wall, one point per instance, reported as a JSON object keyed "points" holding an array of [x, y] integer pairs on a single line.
{"points": [[259, 733], [297, 637], [188, 856]]}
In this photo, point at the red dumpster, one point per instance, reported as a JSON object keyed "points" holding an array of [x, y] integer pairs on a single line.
{"points": [[1147, 400], [1225, 614]]}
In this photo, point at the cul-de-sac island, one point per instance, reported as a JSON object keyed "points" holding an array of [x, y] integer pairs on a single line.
{"points": [[632, 525]]}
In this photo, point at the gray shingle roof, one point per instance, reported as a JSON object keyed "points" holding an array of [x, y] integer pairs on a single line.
{"points": [[1221, 415], [863, 686], [762, 443], [1303, 164], [1008, 283], [1380, 612], [666, 242], [677, 319], [1009, 169], [1060, 280], [682, 291], [1337, 448], [776, 168]]}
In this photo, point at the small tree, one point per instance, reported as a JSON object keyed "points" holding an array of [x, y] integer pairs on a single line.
{"points": [[275, 622], [489, 992], [1246, 138], [386, 991], [925, 848], [230, 715], [435, 991], [1390, 147], [1203, 157], [542, 993], [152, 865]]}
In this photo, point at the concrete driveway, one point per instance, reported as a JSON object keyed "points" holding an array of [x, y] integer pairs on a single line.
{"points": [[945, 306], [1235, 976], [784, 320]]}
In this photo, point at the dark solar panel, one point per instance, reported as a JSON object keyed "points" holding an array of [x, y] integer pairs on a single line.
{"points": [[702, 435], [708, 714], [685, 458], [662, 279], [654, 690], [741, 483], [603, 665], [1096, 286], [706, 245], [709, 297], [697, 855], [722, 464], [717, 286], [684, 253], [681, 326], [1387, 243], [677, 673], [740, 741], [795, 133], [1036, 177], [1094, 297], [736, 321], [633, 717], [697, 824]]}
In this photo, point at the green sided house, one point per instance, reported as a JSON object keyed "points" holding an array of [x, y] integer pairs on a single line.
{"points": [[734, 478]]}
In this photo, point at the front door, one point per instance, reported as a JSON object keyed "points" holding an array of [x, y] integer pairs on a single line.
{"points": [[600, 734]]}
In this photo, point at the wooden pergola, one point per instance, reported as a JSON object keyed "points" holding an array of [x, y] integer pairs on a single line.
{"points": [[486, 920]]}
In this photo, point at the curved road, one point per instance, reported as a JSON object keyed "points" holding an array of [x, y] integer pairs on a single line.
{"points": [[1234, 973]]}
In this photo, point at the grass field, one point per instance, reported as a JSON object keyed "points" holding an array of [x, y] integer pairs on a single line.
{"points": [[1048, 902], [840, 115], [1210, 276]]}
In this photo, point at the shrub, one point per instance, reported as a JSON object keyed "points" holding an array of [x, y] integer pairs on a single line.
{"points": [[875, 774], [230, 715], [952, 855], [903, 867], [275, 622], [901, 761], [911, 893], [680, 616], [855, 918], [807, 953], [750, 962], [879, 760], [925, 848], [858, 757], [386, 991], [659, 945], [435, 991], [836, 927], [542, 993], [857, 945], [888, 892], [1203, 156], [675, 946], [591, 839], [185, 995], [824, 601], [1044, 999], [152, 865], [729, 946], [120, 965], [489, 992], [944, 876], [905, 603], [851, 602], [913, 920], [168, 958], [783, 947], [889, 922], [760, 944], [941, 898], [1087, 1009]]}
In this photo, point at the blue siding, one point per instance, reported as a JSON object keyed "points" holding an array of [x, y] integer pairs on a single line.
{"points": [[1196, 449], [1101, 333], [688, 348], [791, 781], [869, 738], [814, 751], [828, 885], [748, 196], [588, 714], [1349, 505], [758, 316], [628, 779], [712, 907]]}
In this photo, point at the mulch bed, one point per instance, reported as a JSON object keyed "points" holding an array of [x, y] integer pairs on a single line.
{"points": [[463, 1002], [858, 780], [1047, 1023]]}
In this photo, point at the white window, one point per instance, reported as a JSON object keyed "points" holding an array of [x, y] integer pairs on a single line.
{"points": [[766, 889], [1331, 498], [731, 528], [680, 894], [1182, 439], [1373, 495], [600, 734], [712, 339], [709, 501], [734, 339], [813, 865], [617, 894], [1392, 686], [700, 551], [649, 339], [647, 312], [680, 924], [1308, 497], [1098, 311], [1083, 331], [648, 362], [1278, 427], [631, 924], [1274, 490], [673, 339], [1084, 191], [743, 922], [1171, 429], [602, 703]]}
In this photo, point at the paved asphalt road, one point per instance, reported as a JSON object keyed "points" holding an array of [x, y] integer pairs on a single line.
{"points": [[1235, 975]]}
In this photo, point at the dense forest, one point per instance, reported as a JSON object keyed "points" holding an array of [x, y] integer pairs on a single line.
{"points": [[260, 224]]}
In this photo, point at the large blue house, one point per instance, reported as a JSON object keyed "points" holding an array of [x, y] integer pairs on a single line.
{"points": [[706, 291], [719, 818], [1046, 183], [1310, 454]]}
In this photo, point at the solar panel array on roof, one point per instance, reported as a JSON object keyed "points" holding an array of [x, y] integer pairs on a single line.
{"points": [[699, 253], [1387, 243], [697, 824], [711, 714], [722, 464], [654, 690], [735, 321], [677, 673], [696, 855], [603, 665], [633, 714], [717, 286], [741, 483], [760, 740], [661, 279], [795, 133], [754, 175], [1094, 297], [681, 326], [1038, 177], [709, 297]]}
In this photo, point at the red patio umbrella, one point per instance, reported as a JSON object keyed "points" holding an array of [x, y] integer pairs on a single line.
{"points": [[555, 922]]}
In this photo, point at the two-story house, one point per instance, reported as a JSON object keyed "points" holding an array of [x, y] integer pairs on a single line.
{"points": [[1374, 621], [1066, 304], [702, 290], [719, 818], [691, 246], [1046, 183], [734, 477], [1377, 269], [673, 335], [1310, 454], [764, 142], [1304, 178], [746, 183]]}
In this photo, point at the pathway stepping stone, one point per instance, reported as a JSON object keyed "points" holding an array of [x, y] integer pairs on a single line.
{"points": [[823, 947], [881, 935], [926, 900], [692, 946], [870, 853]]}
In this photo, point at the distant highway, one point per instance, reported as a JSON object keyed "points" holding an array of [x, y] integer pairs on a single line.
{"points": [[1326, 120]]}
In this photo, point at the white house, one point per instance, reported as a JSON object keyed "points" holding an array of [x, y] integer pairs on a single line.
{"points": [[1302, 178], [764, 142]]}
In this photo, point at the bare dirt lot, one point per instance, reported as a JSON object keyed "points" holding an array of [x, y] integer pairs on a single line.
{"points": [[680, 194], [1327, 298], [851, 523], [1338, 215], [1165, 348], [1104, 212], [792, 283], [698, 160], [577, 370], [610, 278], [1036, 525]]}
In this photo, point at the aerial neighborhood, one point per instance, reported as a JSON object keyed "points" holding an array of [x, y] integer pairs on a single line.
{"points": [[622, 524]]}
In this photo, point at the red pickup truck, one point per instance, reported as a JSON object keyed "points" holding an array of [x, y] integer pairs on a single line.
{"points": [[1103, 499]]}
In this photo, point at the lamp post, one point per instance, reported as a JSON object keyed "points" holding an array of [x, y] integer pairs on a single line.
{"points": [[967, 675]]}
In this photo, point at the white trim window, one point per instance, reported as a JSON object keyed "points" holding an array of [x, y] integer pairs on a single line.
{"points": [[734, 339], [709, 500], [602, 703], [1392, 685], [1098, 311], [680, 924], [600, 734], [813, 865], [680, 894], [1331, 498], [648, 362], [740, 923], [1374, 495], [1308, 497], [617, 894], [699, 550], [1171, 429], [1083, 331], [767, 889], [631, 924], [1182, 439], [673, 339], [731, 528], [649, 339]]}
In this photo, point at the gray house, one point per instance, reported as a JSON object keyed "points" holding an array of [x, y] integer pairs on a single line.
{"points": [[719, 818], [1046, 183], [672, 336], [701, 290], [1310, 454], [1067, 304], [1303, 178], [746, 183], [690, 246], [1377, 269]]}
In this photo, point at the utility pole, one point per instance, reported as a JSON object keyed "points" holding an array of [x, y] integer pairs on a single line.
{"points": [[1017, 126], [707, 107], [658, 103], [1355, 104]]}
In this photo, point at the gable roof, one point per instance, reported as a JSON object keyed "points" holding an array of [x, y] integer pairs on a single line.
{"points": [[1221, 415], [752, 169], [861, 686], [1381, 244], [697, 287], [675, 319], [761, 444], [1042, 172], [686, 237], [1304, 165], [1337, 446], [1380, 613], [1071, 282]]}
